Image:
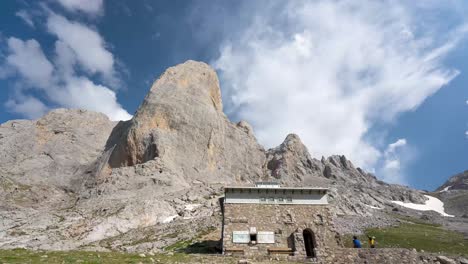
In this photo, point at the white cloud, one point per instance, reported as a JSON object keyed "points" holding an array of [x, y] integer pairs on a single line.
{"points": [[330, 70], [27, 106], [86, 6], [29, 60], [82, 93], [394, 155], [26, 17], [87, 44], [393, 146], [60, 84]]}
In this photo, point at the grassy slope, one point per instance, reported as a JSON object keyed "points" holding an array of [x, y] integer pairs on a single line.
{"points": [[86, 257], [418, 235]]}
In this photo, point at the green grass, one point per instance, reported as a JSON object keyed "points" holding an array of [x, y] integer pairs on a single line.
{"points": [[194, 245], [179, 245], [29, 256], [87, 257], [414, 220], [418, 235]]}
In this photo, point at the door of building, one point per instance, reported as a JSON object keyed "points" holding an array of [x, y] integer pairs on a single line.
{"points": [[309, 242]]}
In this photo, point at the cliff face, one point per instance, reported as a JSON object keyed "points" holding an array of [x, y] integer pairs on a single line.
{"points": [[56, 149], [73, 178], [181, 123]]}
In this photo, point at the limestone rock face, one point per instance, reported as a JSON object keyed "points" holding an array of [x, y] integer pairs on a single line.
{"points": [[181, 123], [291, 163], [352, 190], [53, 149]]}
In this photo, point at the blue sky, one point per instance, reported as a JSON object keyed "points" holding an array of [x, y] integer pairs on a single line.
{"points": [[383, 82]]}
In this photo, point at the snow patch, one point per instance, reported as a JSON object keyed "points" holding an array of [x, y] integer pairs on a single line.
{"points": [[373, 207], [446, 189], [169, 219], [432, 203]]}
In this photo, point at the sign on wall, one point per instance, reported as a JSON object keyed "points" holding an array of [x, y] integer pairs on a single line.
{"points": [[240, 237], [265, 237]]}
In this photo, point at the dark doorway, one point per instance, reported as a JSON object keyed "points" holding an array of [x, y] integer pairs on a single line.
{"points": [[309, 242], [253, 238]]}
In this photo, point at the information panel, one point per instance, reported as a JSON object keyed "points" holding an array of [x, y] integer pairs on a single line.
{"points": [[240, 237], [265, 237]]}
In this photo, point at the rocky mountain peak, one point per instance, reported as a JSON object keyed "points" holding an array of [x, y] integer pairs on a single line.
{"points": [[54, 149], [181, 123], [454, 194], [190, 82], [290, 162], [456, 182]]}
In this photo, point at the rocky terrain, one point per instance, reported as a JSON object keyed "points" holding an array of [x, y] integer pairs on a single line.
{"points": [[75, 180], [454, 193]]}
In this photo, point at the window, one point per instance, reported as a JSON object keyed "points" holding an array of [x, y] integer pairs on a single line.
{"points": [[271, 199], [262, 199], [240, 237], [289, 199], [280, 199], [265, 237]]}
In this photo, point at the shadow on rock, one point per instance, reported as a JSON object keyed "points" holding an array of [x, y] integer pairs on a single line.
{"points": [[203, 247]]}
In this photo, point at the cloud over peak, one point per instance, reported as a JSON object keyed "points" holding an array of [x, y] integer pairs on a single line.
{"points": [[330, 70], [87, 45]]}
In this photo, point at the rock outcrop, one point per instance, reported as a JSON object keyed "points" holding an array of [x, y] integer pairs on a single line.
{"points": [[56, 149], [291, 163], [454, 194], [181, 123]]}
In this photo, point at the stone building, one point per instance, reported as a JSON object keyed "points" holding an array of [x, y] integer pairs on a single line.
{"points": [[269, 219]]}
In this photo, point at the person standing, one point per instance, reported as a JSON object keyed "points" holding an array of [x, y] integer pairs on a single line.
{"points": [[371, 241], [356, 242]]}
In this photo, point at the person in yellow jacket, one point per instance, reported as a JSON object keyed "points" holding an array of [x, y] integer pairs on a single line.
{"points": [[371, 241]]}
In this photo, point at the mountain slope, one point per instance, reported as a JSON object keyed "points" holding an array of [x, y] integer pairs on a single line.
{"points": [[454, 194]]}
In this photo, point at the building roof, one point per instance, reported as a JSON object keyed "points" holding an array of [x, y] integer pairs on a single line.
{"points": [[277, 188]]}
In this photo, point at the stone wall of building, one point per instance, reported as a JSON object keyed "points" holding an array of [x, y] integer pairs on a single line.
{"points": [[286, 221]]}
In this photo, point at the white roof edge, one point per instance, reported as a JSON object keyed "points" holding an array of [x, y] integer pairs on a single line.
{"points": [[277, 188]]}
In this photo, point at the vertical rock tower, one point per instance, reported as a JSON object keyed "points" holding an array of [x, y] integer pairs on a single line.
{"points": [[181, 123]]}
